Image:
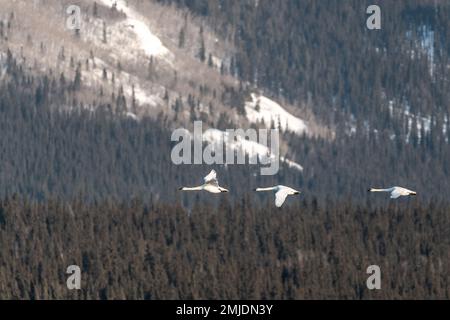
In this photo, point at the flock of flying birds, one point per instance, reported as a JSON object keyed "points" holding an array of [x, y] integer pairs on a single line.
{"points": [[211, 184]]}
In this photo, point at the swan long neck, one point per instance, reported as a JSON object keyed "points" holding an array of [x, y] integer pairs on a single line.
{"points": [[266, 189], [380, 190], [192, 188]]}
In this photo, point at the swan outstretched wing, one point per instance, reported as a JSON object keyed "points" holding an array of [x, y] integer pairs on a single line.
{"points": [[396, 193], [280, 197], [211, 178]]}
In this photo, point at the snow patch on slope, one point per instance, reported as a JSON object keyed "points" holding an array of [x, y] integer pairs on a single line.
{"points": [[253, 149], [126, 80], [292, 164], [3, 59], [424, 44], [150, 43], [264, 109], [143, 98], [132, 116]]}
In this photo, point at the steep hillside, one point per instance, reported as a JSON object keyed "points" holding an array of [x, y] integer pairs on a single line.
{"points": [[383, 114], [324, 56], [140, 58]]}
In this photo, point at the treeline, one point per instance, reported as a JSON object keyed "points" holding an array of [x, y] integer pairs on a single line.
{"points": [[234, 251]]}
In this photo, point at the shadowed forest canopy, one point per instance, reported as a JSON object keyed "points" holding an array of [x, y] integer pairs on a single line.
{"points": [[236, 251]]}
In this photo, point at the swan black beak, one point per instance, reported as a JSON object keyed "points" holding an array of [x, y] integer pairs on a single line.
{"points": [[297, 192], [413, 193], [179, 189]]}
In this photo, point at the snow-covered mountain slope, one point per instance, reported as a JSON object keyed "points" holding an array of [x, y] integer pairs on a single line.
{"points": [[149, 42], [146, 53], [131, 45], [263, 109]]}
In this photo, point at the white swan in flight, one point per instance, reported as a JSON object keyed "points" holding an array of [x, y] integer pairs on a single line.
{"points": [[281, 192], [211, 184], [396, 192]]}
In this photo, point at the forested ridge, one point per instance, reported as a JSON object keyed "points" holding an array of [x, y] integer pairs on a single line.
{"points": [[321, 53], [100, 154], [85, 184]]}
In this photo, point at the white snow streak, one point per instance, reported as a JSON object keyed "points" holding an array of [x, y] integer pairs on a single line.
{"points": [[263, 109], [253, 149], [150, 43]]}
